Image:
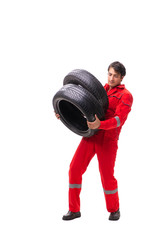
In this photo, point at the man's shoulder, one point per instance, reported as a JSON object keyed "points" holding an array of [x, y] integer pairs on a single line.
{"points": [[125, 91], [127, 97]]}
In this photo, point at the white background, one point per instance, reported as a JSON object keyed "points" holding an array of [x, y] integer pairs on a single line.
{"points": [[40, 42]]}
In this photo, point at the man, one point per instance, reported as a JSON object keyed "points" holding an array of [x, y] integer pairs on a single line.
{"points": [[104, 144]]}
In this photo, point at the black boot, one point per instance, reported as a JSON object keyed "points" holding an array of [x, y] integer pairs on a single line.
{"points": [[71, 215], [114, 215]]}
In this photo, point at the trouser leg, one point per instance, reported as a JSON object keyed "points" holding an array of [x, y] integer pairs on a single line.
{"points": [[78, 166], [106, 153]]}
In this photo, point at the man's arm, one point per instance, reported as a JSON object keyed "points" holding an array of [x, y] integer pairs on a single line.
{"points": [[121, 113]]}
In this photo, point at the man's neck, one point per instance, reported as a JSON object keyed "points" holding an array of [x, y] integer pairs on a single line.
{"points": [[112, 87]]}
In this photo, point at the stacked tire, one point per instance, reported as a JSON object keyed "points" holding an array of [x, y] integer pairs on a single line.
{"points": [[81, 97]]}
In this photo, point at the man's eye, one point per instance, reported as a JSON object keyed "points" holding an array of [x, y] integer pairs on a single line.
{"points": [[115, 76]]}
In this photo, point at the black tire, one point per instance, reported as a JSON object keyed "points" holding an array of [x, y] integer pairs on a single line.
{"points": [[89, 82], [76, 105]]}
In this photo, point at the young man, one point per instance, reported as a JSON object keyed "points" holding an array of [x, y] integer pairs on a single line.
{"points": [[104, 144]]}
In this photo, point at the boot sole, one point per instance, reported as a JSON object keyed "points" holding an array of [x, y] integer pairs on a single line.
{"points": [[70, 218]]}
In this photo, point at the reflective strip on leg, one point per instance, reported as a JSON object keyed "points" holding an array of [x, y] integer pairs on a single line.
{"points": [[110, 192], [75, 185]]}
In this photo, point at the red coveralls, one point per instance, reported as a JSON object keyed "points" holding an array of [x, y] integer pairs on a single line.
{"points": [[104, 144]]}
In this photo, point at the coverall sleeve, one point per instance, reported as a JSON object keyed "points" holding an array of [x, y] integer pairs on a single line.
{"points": [[121, 113]]}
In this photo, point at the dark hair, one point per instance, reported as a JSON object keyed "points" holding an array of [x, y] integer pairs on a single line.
{"points": [[118, 67]]}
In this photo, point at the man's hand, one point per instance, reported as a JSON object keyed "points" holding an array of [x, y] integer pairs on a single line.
{"points": [[95, 124], [57, 115]]}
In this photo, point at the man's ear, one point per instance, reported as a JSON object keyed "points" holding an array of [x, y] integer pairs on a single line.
{"points": [[122, 78]]}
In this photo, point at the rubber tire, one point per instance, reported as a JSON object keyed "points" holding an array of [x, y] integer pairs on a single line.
{"points": [[76, 105], [89, 82]]}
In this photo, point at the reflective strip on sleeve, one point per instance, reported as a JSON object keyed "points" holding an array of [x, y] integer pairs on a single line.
{"points": [[126, 104], [111, 192], [75, 185], [118, 121]]}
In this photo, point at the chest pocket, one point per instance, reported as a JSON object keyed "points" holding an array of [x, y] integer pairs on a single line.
{"points": [[114, 100]]}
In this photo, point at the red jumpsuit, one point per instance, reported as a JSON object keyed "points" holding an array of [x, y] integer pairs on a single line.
{"points": [[104, 144]]}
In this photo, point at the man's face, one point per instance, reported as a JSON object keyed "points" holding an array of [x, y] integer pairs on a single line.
{"points": [[114, 78]]}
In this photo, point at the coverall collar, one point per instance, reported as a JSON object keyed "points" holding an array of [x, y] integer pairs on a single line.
{"points": [[115, 89]]}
